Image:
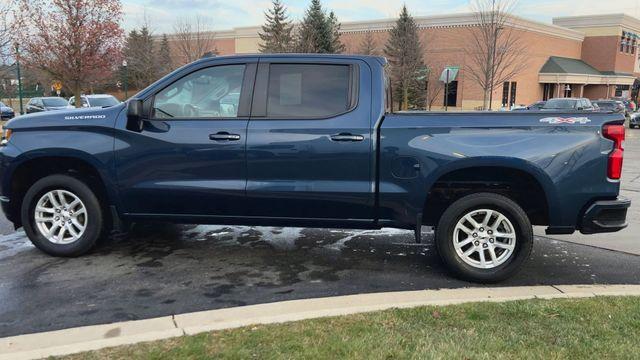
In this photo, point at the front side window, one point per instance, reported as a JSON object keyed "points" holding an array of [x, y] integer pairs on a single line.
{"points": [[208, 93], [309, 90]]}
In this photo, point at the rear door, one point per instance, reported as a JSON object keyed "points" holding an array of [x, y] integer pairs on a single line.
{"points": [[309, 140], [190, 157]]}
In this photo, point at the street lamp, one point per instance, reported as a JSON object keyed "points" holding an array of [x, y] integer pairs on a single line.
{"points": [[126, 79], [19, 78]]}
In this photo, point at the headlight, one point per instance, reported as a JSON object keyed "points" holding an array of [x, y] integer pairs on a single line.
{"points": [[6, 135]]}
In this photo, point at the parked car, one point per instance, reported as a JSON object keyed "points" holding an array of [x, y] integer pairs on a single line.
{"points": [[311, 141], [6, 112], [610, 106], [535, 106], [95, 101], [634, 120], [39, 104], [568, 104]]}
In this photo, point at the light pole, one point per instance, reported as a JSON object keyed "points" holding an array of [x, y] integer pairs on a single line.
{"points": [[19, 79], [126, 79]]}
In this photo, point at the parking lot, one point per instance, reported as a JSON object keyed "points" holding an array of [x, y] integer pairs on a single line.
{"points": [[165, 269]]}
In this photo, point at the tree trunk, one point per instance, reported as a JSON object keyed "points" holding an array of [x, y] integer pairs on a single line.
{"points": [[77, 93], [405, 98]]}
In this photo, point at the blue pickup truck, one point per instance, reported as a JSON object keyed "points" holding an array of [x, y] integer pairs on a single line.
{"points": [[312, 141]]}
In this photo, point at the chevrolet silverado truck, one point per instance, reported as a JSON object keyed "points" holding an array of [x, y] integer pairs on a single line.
{"points": [[312, 141]]}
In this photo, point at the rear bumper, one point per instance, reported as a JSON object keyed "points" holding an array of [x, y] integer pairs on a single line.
{"points": [[605, 216]]}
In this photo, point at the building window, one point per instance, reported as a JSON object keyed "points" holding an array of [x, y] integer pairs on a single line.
{"points": [[505, 94], [509, 94], [633, 46], [622, 43], [451, 98], [514, 86]]}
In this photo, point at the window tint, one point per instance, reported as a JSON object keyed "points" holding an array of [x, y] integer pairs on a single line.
{"points": [[208, 93], [308, 90]]}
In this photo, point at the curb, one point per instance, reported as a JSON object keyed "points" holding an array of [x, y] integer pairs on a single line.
{"points": [[86, 338]]}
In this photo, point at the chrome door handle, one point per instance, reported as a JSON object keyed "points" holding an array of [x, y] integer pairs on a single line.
{"points": [[224, 136], [347, 137]]}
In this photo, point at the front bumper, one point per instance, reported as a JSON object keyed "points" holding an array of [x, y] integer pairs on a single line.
{"points": [[605, 216]]}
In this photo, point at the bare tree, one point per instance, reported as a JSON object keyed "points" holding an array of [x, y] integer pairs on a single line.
{"points": [[7, 49], [194, 38], [496, 52], [368, 45], [434, 87]]}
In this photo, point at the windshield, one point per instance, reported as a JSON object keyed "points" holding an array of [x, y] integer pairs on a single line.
{"points": [[103, 101], [54, 102], [560, 104], [606, 105]]}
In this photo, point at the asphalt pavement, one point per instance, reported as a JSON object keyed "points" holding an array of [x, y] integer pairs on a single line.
{"points": [[163, 269]]}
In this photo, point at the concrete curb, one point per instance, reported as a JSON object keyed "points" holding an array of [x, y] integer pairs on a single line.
{"points": [[75, 340]]}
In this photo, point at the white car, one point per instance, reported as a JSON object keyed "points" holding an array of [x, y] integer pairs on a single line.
{"points": [[95, 101]]}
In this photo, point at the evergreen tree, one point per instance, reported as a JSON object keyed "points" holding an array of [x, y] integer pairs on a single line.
{"points": [[335, 45], [163, 57], [140, 55], [312, 36], [368, 45], [319, 32], [276, 33], [404, 52]]}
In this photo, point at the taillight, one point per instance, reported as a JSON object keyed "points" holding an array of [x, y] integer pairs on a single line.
{"points": [[615, 133]]}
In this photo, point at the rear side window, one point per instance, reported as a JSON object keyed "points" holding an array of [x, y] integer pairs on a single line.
{"points": [[309, 90]]}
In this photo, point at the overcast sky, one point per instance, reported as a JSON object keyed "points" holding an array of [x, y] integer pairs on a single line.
{"points": [[226, 14]]}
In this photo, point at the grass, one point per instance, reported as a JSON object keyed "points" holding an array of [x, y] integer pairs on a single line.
{"points": [[601, 327]]}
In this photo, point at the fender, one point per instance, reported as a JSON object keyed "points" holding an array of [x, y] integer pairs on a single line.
{"points": [[103, 169]]}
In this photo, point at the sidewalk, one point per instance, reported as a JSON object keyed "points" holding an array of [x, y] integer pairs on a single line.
{"points": [[75, 340]]}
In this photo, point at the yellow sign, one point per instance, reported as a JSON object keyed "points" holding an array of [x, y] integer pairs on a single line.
{"points": [[57, 86]]}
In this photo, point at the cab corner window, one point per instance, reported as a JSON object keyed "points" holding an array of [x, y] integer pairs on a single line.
{"points": [[309, 90], [213, 92]]}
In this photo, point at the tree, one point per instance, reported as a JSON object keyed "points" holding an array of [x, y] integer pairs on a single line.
{"points": [[194, 38], [319, 32], [140, 54], [335, 45], [276, 33], [7, 49], [495, 52], [368, 45], [164, 58], [75, 41], [404, 52]]}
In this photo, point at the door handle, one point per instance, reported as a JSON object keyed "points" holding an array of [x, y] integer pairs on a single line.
{"points": [[224, 136], [347, 137]]}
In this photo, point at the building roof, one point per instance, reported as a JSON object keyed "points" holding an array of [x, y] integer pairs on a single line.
{"points": [[562, 65]]}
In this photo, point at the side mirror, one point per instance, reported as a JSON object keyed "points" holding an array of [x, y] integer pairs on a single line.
{"points": [[135, 115]]}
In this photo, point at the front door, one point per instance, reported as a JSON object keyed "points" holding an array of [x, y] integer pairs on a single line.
{"points": [[190, 157], [309, 141]]}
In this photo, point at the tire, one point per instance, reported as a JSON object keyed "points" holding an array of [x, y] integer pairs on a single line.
{"points": [[72, 189], [507, 262]]}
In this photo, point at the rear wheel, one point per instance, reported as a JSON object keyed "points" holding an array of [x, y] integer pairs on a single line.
{"points": [[62, 216], [484, 237]]}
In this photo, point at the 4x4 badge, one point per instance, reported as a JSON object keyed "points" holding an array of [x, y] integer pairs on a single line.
{"points": [[570, 120]]}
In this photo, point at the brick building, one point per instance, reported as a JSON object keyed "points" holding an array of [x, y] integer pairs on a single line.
{"points": [[592, 56]]}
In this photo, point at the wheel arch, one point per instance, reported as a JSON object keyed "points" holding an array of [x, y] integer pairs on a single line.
{"points": [[30, 167], [466, 176]]}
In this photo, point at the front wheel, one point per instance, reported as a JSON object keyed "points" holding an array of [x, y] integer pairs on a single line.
{"points": [[484, 237], [62, 216]]}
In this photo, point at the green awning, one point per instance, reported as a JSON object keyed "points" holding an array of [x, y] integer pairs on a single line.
{"points": [[562, 65], [453, 73]]}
